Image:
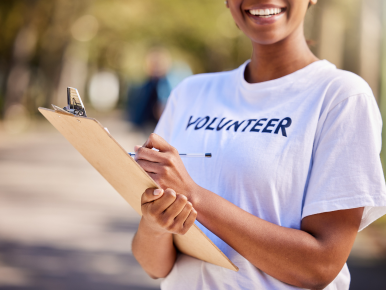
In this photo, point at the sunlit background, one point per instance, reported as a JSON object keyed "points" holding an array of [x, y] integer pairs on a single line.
{"points": [[62, 226]]}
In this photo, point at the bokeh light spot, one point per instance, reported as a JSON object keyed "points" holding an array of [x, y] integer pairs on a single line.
{"points": [[104, 91], [85, 28]]}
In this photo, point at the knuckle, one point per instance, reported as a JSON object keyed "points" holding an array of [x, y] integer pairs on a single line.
{"points": [[167, 170], [170, 193], [169, 160], [194, 213], [173, 150], [139, 154], [163, 170], [171, 227], [182, 198], [184, 230], [152, 136]]}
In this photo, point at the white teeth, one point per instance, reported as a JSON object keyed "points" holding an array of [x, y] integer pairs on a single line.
{"points": [[265, 12]]}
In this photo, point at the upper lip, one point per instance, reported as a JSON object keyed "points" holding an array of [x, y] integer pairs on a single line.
{"points": [[264, 6]]}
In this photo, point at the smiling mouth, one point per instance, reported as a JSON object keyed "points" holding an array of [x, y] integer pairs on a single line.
{"points": [[266, 13]]}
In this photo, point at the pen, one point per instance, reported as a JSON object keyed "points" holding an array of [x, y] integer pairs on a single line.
{"points": [[208, 155]]}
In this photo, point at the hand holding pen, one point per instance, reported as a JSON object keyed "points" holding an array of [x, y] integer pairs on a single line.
{"points": [[165, 167], [192, 155]]}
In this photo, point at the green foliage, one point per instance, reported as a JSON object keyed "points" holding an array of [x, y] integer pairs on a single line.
{"points": [[200, 32]]}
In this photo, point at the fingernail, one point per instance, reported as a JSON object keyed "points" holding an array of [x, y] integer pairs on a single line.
{"points": [[157, 191]]}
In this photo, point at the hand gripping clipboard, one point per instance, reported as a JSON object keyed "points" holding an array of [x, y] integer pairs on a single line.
{"points": [[101, 150]]}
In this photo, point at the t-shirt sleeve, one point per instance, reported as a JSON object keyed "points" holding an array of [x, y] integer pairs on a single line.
{"points": [[346, 169], [165, 124]]}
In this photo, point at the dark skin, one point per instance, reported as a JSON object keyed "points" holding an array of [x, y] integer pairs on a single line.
{"points": [[308, 258], [280, 48]]}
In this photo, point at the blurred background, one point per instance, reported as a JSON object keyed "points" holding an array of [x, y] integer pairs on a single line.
{"points": [[61, 225]]}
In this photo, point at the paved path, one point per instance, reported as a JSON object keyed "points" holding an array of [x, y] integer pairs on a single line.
{"points": [[62, 226]]}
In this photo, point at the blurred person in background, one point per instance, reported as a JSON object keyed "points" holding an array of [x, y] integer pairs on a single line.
{"points": [[147, 101], [295, 172]]}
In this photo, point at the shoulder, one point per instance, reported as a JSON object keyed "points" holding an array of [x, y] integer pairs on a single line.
{"points": [[340, 85], [346, 97], [349, 83]]}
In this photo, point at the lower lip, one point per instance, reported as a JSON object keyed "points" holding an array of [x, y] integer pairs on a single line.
{"points": [[265, 20]]}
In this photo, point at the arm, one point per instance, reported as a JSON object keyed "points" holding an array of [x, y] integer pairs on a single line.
{"points": [[164, 213], [310, 258], [146, 247]]}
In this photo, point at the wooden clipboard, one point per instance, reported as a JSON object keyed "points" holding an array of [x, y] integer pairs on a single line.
{"points": [[101, 150]]}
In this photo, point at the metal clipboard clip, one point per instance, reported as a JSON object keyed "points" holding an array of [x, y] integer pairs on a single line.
{"points": [[74, 104]]}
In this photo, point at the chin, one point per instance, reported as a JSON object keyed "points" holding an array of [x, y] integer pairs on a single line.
{"points": [[265, 35], [266, 38]]}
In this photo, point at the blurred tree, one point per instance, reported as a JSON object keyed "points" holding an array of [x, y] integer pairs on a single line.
{"points": [[200, 32], [49, 44]]}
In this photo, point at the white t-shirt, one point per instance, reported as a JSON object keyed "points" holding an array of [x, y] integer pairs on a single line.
{"points": [[303, 144]]}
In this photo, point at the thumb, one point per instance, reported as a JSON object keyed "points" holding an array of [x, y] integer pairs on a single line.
{"points": [[151, 194]]}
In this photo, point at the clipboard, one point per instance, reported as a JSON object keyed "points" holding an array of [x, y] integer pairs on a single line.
{"points": [[104, 153]]}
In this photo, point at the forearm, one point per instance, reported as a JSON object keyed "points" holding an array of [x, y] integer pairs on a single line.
{"points": [[309, 258], [292, 256], [155, 252]]}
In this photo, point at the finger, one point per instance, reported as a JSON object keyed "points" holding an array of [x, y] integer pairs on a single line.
{"points": [[177, 207], [150, 167], [189, 221], [155, 141], [151, 194], [136, 147], [148, 154], [160, 205], [183, 215]]}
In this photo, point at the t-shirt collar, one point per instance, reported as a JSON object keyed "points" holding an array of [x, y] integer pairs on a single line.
{"points": [[301, 75]]}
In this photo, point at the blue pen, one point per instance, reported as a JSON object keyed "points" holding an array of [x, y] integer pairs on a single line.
{"points": [[208, 155]]}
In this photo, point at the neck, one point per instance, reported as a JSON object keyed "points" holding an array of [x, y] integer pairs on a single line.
{"points": [[279, 59]]}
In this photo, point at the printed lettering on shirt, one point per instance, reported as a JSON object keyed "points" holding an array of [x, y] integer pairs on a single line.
{"points": [[236, 125], [202, 123], [262, 125]]}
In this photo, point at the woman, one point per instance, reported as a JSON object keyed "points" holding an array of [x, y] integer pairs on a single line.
{"points": [[295, 171]]}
